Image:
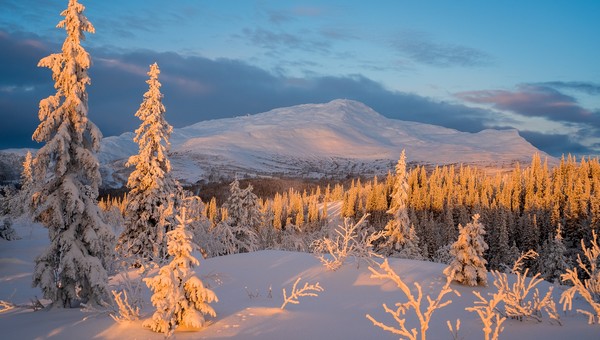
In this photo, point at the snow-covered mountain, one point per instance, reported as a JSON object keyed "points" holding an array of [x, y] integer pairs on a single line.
{"points": [[335, 139]]}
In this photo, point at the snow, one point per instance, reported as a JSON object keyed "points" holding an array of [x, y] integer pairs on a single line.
{"points": [[339, 137], [245, 310]]}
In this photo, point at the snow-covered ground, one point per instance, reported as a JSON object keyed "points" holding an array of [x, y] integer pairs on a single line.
{"points": [[249, 288]]}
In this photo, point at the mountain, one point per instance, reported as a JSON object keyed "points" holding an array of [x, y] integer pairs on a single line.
{"points": [[334, 139]]}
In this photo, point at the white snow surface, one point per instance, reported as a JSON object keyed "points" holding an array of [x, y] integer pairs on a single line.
{"points": [[314, 140], [337, 313]]}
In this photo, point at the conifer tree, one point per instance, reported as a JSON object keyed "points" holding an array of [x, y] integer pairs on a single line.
{"points": [[73, 267], [153, 190], [469, 266], [397, 230], [244, 216], [179, 296], [552, 262]]}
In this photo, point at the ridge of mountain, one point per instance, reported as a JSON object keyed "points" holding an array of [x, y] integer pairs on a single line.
{"points": [[337, 139]]}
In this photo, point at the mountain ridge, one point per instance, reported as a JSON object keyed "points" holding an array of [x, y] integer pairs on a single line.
{"points": [[336, 139]]}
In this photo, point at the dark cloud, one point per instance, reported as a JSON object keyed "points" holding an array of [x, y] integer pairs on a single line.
{"points": [[585, 87], [535, 101], [421, 48], [557, 144]]}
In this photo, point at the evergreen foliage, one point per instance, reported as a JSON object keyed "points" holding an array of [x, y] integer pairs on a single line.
{"points": [[73, 267], [469, 266], [153, 191], [179, 296]]}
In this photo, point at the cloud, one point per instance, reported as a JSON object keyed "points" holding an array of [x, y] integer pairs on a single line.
{"points": [[197, 89], [535, 101], [421, 48], [557, 144], [283, 16], [284, 42], [585, 87]]}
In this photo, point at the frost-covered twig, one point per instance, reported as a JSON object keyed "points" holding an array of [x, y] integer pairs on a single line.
{"points": [[6, 306], [517, 304], [589, 288], [454, 330], [487, 311], [413, 303], [126, 312], [350, 241], [307, 290]]}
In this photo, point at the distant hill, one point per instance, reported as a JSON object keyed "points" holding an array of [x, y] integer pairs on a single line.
{"points": [[336, 139]]}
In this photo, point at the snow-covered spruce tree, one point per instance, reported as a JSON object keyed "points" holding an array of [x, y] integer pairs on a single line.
{"points": [[72, 268], [21, 203], [553, 261], [396, 233], [179, 296], [153, 189], [244, 216], [468, 266]]}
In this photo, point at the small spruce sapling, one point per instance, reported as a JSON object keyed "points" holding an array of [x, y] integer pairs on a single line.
{"points": [[180, 298], [468, 265]]}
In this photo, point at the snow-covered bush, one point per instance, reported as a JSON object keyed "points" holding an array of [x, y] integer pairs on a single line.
{"points": [[351, 241], [488, 313], [442, 255], [292, 239], [468, 265], [179, 296], [6, 230], [413, 303], [588, 288], [522, 300], [128, 298]]}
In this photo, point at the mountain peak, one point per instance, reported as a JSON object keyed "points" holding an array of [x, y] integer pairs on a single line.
{"points": [[339, 138]]}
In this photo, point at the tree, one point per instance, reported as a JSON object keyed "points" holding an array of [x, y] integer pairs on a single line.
{"points": [[468, 266], [397, 230], [553, 262], [73, 267], [153, 190], [244, 216], [179, 296]]}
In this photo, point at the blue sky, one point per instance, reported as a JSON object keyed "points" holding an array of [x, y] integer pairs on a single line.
{"points": [[468, 65]]}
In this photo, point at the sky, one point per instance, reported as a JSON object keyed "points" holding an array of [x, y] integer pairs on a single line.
{"points": [[528, 65]]}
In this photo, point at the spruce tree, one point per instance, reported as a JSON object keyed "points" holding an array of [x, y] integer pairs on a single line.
{"points": [[244, 216], [153, 190], [553, 262], [468, 266], [73, 267], [397, 230], [179, 296]]}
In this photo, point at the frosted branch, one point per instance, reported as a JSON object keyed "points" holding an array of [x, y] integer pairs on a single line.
{"points": [[413, 303], [307, 290]]}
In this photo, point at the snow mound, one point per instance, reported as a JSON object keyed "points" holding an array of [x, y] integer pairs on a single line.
{"points": [[249, 287]]}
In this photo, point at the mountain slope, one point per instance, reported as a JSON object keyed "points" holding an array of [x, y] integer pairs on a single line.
{"points": [[313, 140]]}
